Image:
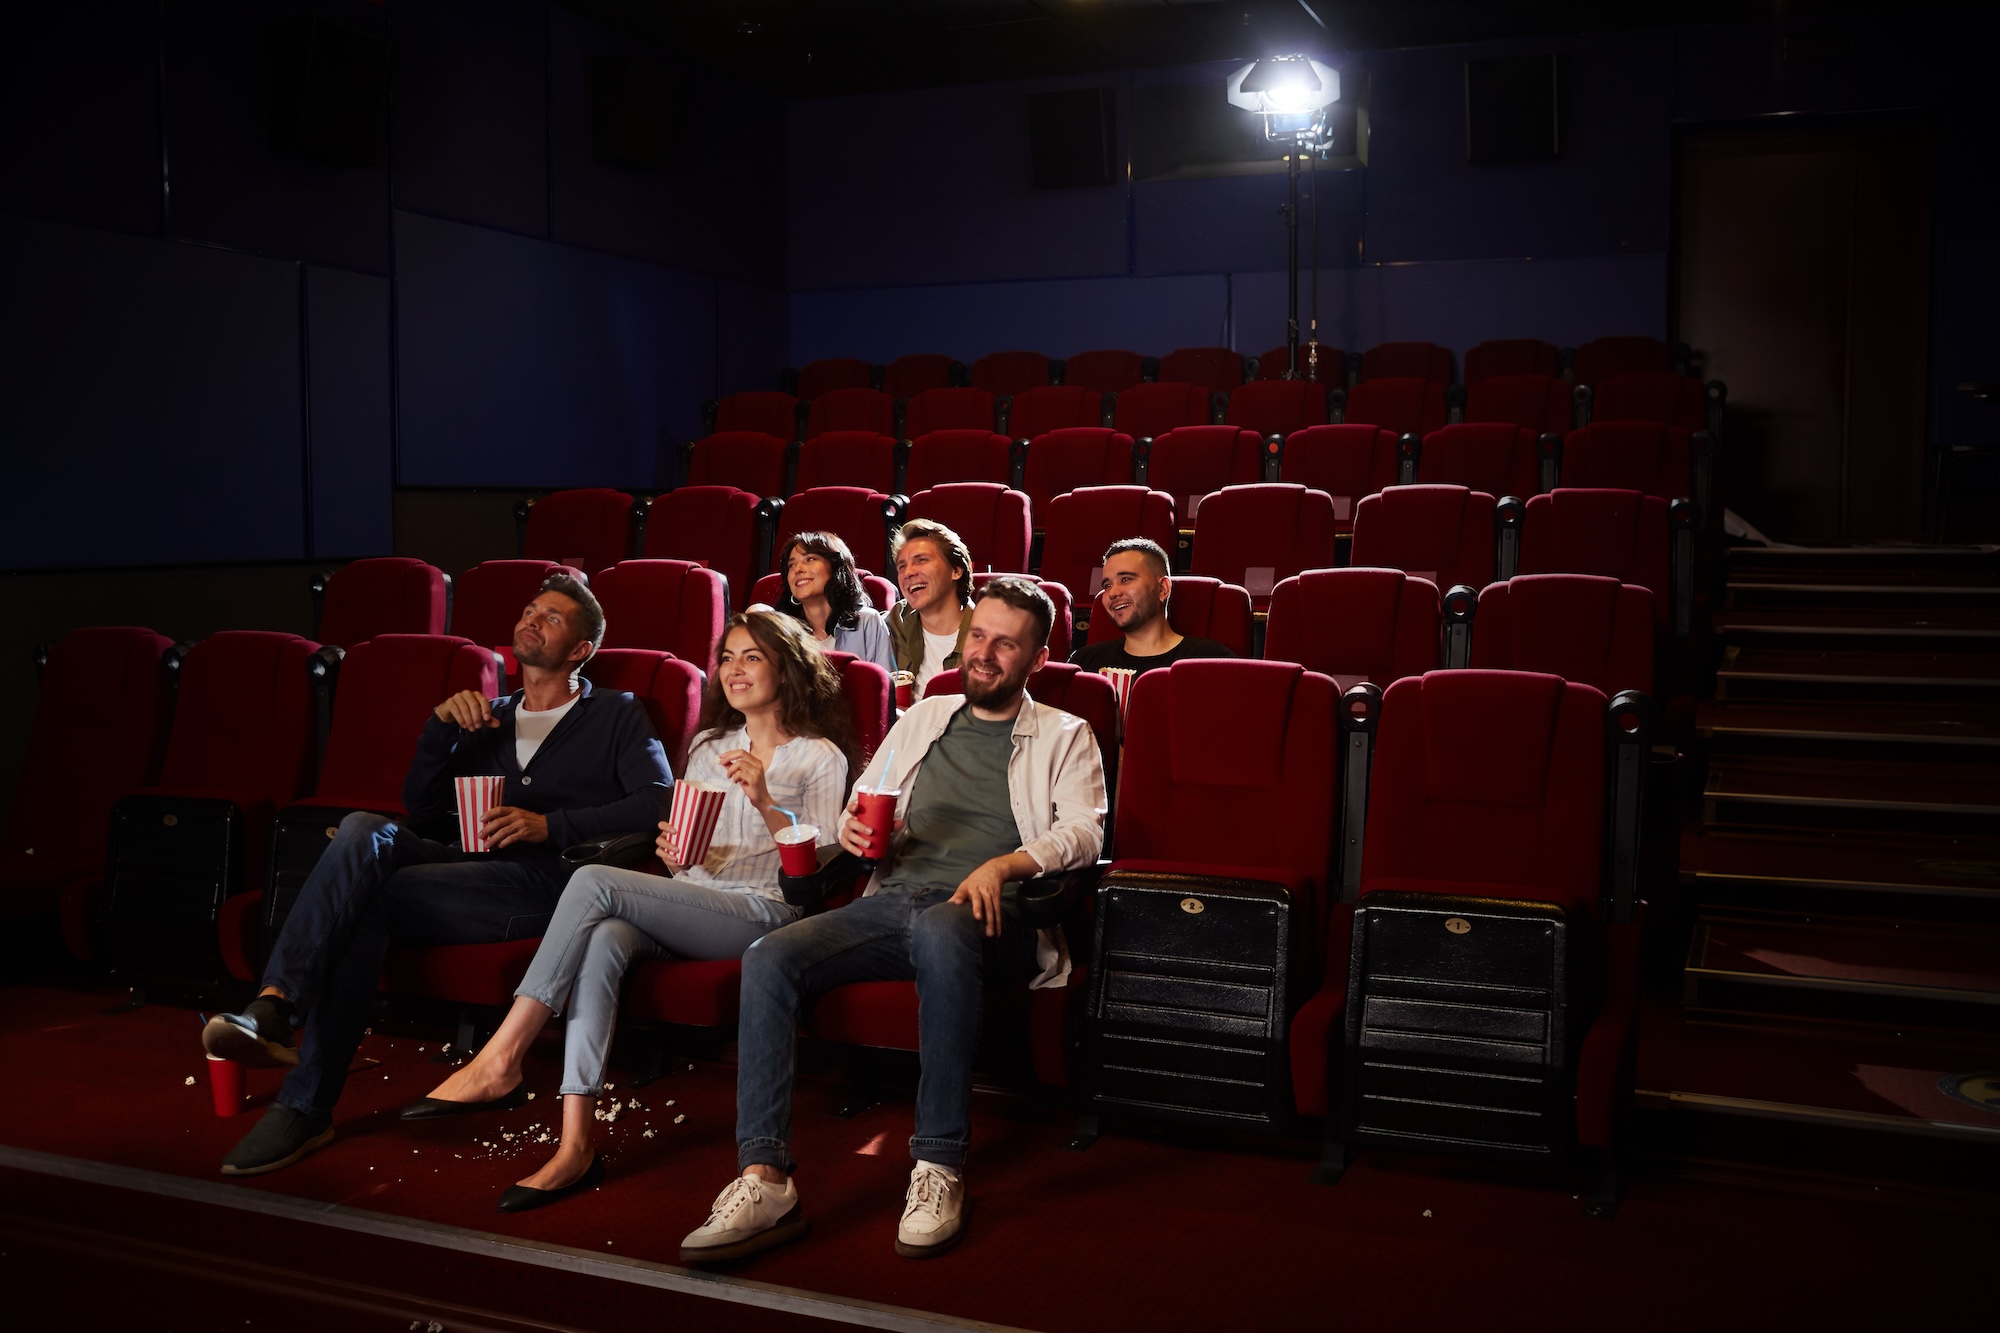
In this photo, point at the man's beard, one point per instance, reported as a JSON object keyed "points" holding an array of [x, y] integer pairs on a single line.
{"points": [[1139, 615], [542, 658], [1002, 692]]}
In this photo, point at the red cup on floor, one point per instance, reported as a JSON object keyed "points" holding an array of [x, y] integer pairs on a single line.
{"points": [[877, 809], [225, 1080], [798, 849], [692, 817], [475, 797]]}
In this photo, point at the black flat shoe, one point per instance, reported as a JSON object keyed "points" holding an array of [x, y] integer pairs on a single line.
{"points": [[520, 1198], [430, 1108]]}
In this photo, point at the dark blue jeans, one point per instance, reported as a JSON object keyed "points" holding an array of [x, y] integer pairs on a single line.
{"points": [[917, 937], [378, 884]]}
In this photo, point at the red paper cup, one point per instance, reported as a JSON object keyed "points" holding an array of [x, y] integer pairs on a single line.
{"points": [[696, 808], [798, 849], [906, 687], [878, 811], [475, 797], [1121, 679], [225, 1080]]}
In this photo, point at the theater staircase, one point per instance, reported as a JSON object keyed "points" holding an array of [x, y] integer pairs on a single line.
{"points": [[1840, 876]]}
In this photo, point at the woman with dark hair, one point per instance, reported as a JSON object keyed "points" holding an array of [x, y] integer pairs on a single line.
{"points": [[823, 589], [775, 730]]}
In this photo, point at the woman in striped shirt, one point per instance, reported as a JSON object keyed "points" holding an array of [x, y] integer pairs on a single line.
{"points": [[777, 732]]}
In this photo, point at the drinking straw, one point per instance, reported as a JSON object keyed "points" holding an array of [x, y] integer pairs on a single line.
{"points": [[787, 814]]}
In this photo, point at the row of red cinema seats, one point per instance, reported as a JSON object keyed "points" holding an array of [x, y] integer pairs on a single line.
{"points": [[1224, 368], [235, 802], [866, 421]]}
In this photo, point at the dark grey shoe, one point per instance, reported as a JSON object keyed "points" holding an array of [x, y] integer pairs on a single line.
{"points": [[260, 1036], [279, 1139]]}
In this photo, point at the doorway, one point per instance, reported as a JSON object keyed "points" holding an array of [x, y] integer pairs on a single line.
{"points": [[1802, 280]]}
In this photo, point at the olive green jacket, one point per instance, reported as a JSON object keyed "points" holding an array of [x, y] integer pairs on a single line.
{"points": [[906, 637]]}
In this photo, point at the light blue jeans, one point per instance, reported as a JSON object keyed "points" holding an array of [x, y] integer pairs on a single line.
{"points": [[610, 919]]}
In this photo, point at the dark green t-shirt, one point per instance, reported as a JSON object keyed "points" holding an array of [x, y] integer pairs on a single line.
{"points": [[960, 814]]}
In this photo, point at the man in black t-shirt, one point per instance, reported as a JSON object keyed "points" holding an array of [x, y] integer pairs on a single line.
{"points": [[1136, 589]]}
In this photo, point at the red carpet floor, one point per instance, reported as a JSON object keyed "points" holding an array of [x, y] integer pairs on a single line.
{"points": [[1143, 1231]]}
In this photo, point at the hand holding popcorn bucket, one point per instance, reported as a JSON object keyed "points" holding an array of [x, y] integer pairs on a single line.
{"points": [[476, 796], [1121, 679], [692, 818]]}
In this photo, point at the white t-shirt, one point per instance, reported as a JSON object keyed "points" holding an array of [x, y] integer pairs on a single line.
{"points": [[532, 728], [937, 647]]}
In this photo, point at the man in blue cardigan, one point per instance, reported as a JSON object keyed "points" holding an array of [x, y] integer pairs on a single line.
{"points": [[576, 765]]}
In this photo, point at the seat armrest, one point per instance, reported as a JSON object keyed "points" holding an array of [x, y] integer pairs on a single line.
{"points": [[628, 851], [810, 892], [1047, 899]]}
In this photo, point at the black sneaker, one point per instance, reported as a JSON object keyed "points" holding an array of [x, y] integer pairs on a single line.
{"points": [[260, 1036], [279, 1139]]}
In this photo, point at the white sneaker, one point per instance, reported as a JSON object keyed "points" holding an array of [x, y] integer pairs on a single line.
{"points": [[750, 1215], [933, 1212]]}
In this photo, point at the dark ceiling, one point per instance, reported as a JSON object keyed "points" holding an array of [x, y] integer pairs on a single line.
{"points": [[818, 47]]}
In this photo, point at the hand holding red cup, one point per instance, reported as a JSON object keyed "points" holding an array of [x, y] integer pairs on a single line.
{"points": [[875, 810]]}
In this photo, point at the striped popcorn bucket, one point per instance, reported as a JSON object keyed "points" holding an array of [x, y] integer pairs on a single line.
{"points": [[475, 797], [1121, 679], [696, 808]]}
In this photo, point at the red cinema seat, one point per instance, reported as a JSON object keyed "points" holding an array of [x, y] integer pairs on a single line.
{"points": [[1511, 356], [244, 743], [1445, 534], [1147, 410], [741, 460], [492, 595], [1199, 608], [1406, 406], [668, 687], [871, 696], [1594, 631], [818, 377], [1616, 534], [390, 594], [1601, 358], [1191, 461], [767, 413], [848, 458], [388, 686], [908, 376], [1331, 369], [991, 518], [1010, 372], [1671, 400], [1349, 463], [949, 409], [1106, 371], [1640, 456], [1053, 407], [586, 529], [1277, 407], [852, 409], [1060, 629], [1355, 625], [1211, 367], [1495, 457], [100, 731], [1258, 536], [1236, 818], [1540, 403], [947, 456], [1084, 522], [1066, 460], [862, 517], [672, 606], [1482, 890], [770, 590], [1424, 361], [719, 526]]}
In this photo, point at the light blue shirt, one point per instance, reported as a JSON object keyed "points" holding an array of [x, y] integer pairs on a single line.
{"points": [[868, 640]]}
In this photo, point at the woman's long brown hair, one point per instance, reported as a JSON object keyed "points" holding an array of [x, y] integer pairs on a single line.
{"points": [[811, 701]]}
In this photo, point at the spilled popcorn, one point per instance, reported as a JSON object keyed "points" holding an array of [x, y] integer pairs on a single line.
{"points": [[190, 1080], [679, 1118]]}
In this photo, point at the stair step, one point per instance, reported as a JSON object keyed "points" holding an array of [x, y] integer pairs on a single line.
{"points": [[1845, 861], [1863, 561], [1931, 975], [1819, 792], [1766, 669], [1867, 722], [1861, 625]]}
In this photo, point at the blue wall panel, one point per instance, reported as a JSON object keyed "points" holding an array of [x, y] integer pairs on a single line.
{"points": [[149, 401], [752, 336], [349, 394], [524, 363]]}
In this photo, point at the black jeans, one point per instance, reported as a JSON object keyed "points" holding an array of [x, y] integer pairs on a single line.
{"points": [[379, 883]]}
